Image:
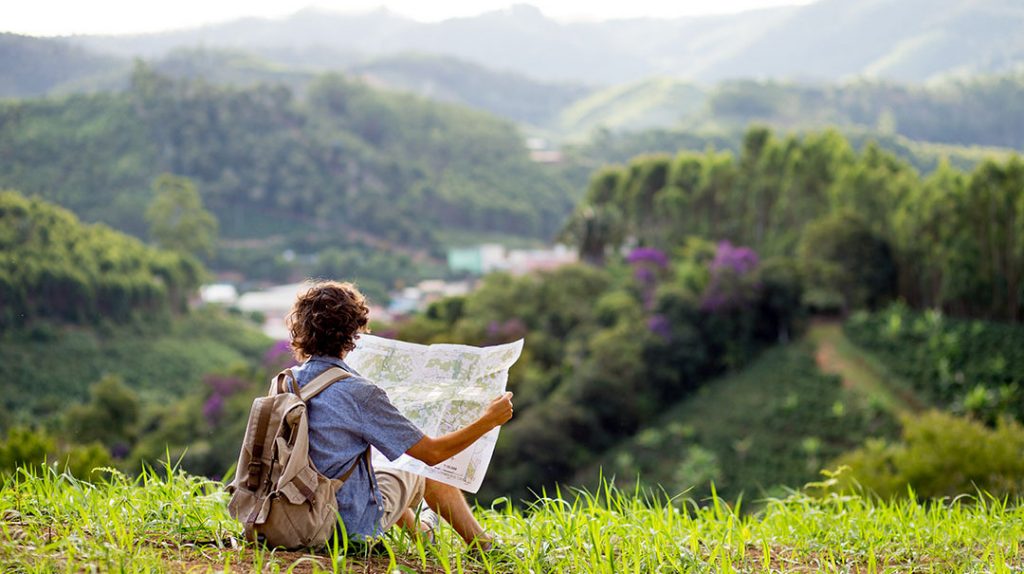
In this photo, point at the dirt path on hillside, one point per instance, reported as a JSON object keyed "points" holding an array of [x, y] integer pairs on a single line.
{"points": [[837, 355]]}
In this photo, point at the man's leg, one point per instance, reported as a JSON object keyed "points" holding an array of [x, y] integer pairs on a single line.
{"points": [[400, 492], [451, 505]]}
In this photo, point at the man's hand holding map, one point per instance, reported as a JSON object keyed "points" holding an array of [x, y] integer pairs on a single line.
{"points": [[440, 388]]}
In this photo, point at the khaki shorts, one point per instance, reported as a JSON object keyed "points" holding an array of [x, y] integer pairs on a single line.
{"points": [[398, 490]]}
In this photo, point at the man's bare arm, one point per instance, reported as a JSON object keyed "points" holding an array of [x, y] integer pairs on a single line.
{"points": [[433, 450]]}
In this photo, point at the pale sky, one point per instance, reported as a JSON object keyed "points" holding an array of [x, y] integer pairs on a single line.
{"points": [[65, 17]]}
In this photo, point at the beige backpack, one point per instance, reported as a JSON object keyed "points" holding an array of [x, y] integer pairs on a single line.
{"points": [[278, 495]]}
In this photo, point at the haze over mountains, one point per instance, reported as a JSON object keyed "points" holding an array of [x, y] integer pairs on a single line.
{"points": [[905, 40]]}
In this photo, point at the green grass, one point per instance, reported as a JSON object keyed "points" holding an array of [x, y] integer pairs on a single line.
{"points": [[165, 520]]}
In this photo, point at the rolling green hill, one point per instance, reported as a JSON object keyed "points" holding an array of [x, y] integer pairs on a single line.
{"points": [[982, 111]]}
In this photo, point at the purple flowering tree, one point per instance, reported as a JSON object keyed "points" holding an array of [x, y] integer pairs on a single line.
{"points": [[278, 356], [221, 387], [649, 264], [731, 284]]}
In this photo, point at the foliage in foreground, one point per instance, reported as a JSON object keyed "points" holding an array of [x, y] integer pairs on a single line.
{"points": [[167, 520]]}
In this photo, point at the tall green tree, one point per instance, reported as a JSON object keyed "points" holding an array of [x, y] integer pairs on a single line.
{"points": [[177, 219]]}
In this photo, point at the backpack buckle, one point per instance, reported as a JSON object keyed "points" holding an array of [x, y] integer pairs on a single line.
{"points": [[254, 474]]}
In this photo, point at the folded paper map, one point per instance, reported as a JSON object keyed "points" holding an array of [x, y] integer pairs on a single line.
{"points": [[440, 388]]}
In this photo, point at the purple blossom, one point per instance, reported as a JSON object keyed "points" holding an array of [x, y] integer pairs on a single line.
{"points": [[730, 286], [648, 255], [660, 326], [120, 450], [278, 356], [274, 353], [493, 328], [213, 409], [648, 263], [510, 330], [224, 385], [644, 275], [740, 260]]}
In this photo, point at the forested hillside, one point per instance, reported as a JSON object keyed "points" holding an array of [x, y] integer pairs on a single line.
{"points": [[982, 111], [53, 267], [346, 157]]}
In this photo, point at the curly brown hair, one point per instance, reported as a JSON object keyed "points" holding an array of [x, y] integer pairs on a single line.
{"points": [[327, 319]]}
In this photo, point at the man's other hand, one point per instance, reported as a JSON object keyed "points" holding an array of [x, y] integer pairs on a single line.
{"points": [[500, 410]]}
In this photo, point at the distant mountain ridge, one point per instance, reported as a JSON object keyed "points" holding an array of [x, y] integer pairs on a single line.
{"points": [[36, 66], [905, 40]]}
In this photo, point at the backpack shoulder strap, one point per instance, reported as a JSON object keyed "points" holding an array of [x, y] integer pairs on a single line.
{"points": [[363, 458], [284, 382], [324, 380]]}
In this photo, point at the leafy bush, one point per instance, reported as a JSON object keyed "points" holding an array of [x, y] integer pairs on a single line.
{"points": [[26, 447], [942, 455]]}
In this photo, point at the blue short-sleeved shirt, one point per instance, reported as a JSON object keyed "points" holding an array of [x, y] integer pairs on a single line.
{"points": [[343, 419]]}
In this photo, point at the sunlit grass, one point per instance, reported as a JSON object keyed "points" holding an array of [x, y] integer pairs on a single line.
{"points": [[165, 520]]}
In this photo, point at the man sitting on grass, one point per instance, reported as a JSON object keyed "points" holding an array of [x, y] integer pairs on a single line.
{"points": [[354, 413]]}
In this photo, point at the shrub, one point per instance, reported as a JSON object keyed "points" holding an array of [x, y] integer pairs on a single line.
{"points": [[942, 455]]}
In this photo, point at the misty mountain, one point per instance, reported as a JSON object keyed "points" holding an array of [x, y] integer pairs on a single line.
{"points": [[906, 40], [36, 66], [32, 67], [910, 40], [506, 94]]}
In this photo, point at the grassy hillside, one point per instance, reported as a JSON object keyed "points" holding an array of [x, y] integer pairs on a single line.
{"points": [[175, 522], [912, 40], [163, 362], [643, 105], [772, 425]]}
